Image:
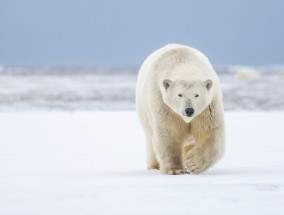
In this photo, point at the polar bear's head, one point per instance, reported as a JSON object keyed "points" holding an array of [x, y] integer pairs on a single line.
{"points": [[187, 98]]}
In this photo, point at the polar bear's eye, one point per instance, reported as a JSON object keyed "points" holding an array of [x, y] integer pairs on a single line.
{"points": [[196, 95], [179, 95]]}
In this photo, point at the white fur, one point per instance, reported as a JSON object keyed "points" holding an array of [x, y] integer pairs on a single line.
{"points": [[166, 73]]}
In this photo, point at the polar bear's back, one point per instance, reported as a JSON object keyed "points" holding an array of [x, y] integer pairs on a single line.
{"points": [[174, 61], [165, 60]]}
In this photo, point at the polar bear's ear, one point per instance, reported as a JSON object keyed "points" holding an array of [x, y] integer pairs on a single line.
{"points": [[167, 83], [208, 84]]}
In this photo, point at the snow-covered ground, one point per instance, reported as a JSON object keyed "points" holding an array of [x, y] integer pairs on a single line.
{"points": [[56, 163], [74, 160]]}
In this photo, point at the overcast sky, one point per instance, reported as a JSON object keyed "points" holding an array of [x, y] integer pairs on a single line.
{"points": [[105, 33]]}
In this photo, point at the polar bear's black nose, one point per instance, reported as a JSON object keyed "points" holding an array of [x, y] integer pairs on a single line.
{"points": [[189, 112]]}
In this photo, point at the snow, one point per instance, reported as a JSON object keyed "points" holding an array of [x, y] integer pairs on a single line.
{"points": [[81, 89], [95, 163]]}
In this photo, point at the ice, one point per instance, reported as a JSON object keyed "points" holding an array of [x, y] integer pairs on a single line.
{"points": [[95, 163]]}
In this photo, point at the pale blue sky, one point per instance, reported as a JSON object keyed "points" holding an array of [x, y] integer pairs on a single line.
{"points": [[104, 33]]}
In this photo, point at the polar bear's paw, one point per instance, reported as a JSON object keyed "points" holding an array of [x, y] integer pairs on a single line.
{"points": [[196, 162], [153, 166], [173, 171]]}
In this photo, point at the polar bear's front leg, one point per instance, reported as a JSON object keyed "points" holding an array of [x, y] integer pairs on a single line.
{"points": [[152, 162], [207, 151], [169, 154]]}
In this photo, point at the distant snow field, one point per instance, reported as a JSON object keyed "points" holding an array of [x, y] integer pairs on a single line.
{"points": [[243, 88], [247, 74], [57, 163]]}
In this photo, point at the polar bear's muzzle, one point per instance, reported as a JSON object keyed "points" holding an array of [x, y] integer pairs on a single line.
{"points": [[188, 112]]}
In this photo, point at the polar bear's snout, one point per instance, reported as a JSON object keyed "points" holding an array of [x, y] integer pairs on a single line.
{"points": [[188, 112]]}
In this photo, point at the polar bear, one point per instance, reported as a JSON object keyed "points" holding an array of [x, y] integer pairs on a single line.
{"points": [[179, 103]]}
